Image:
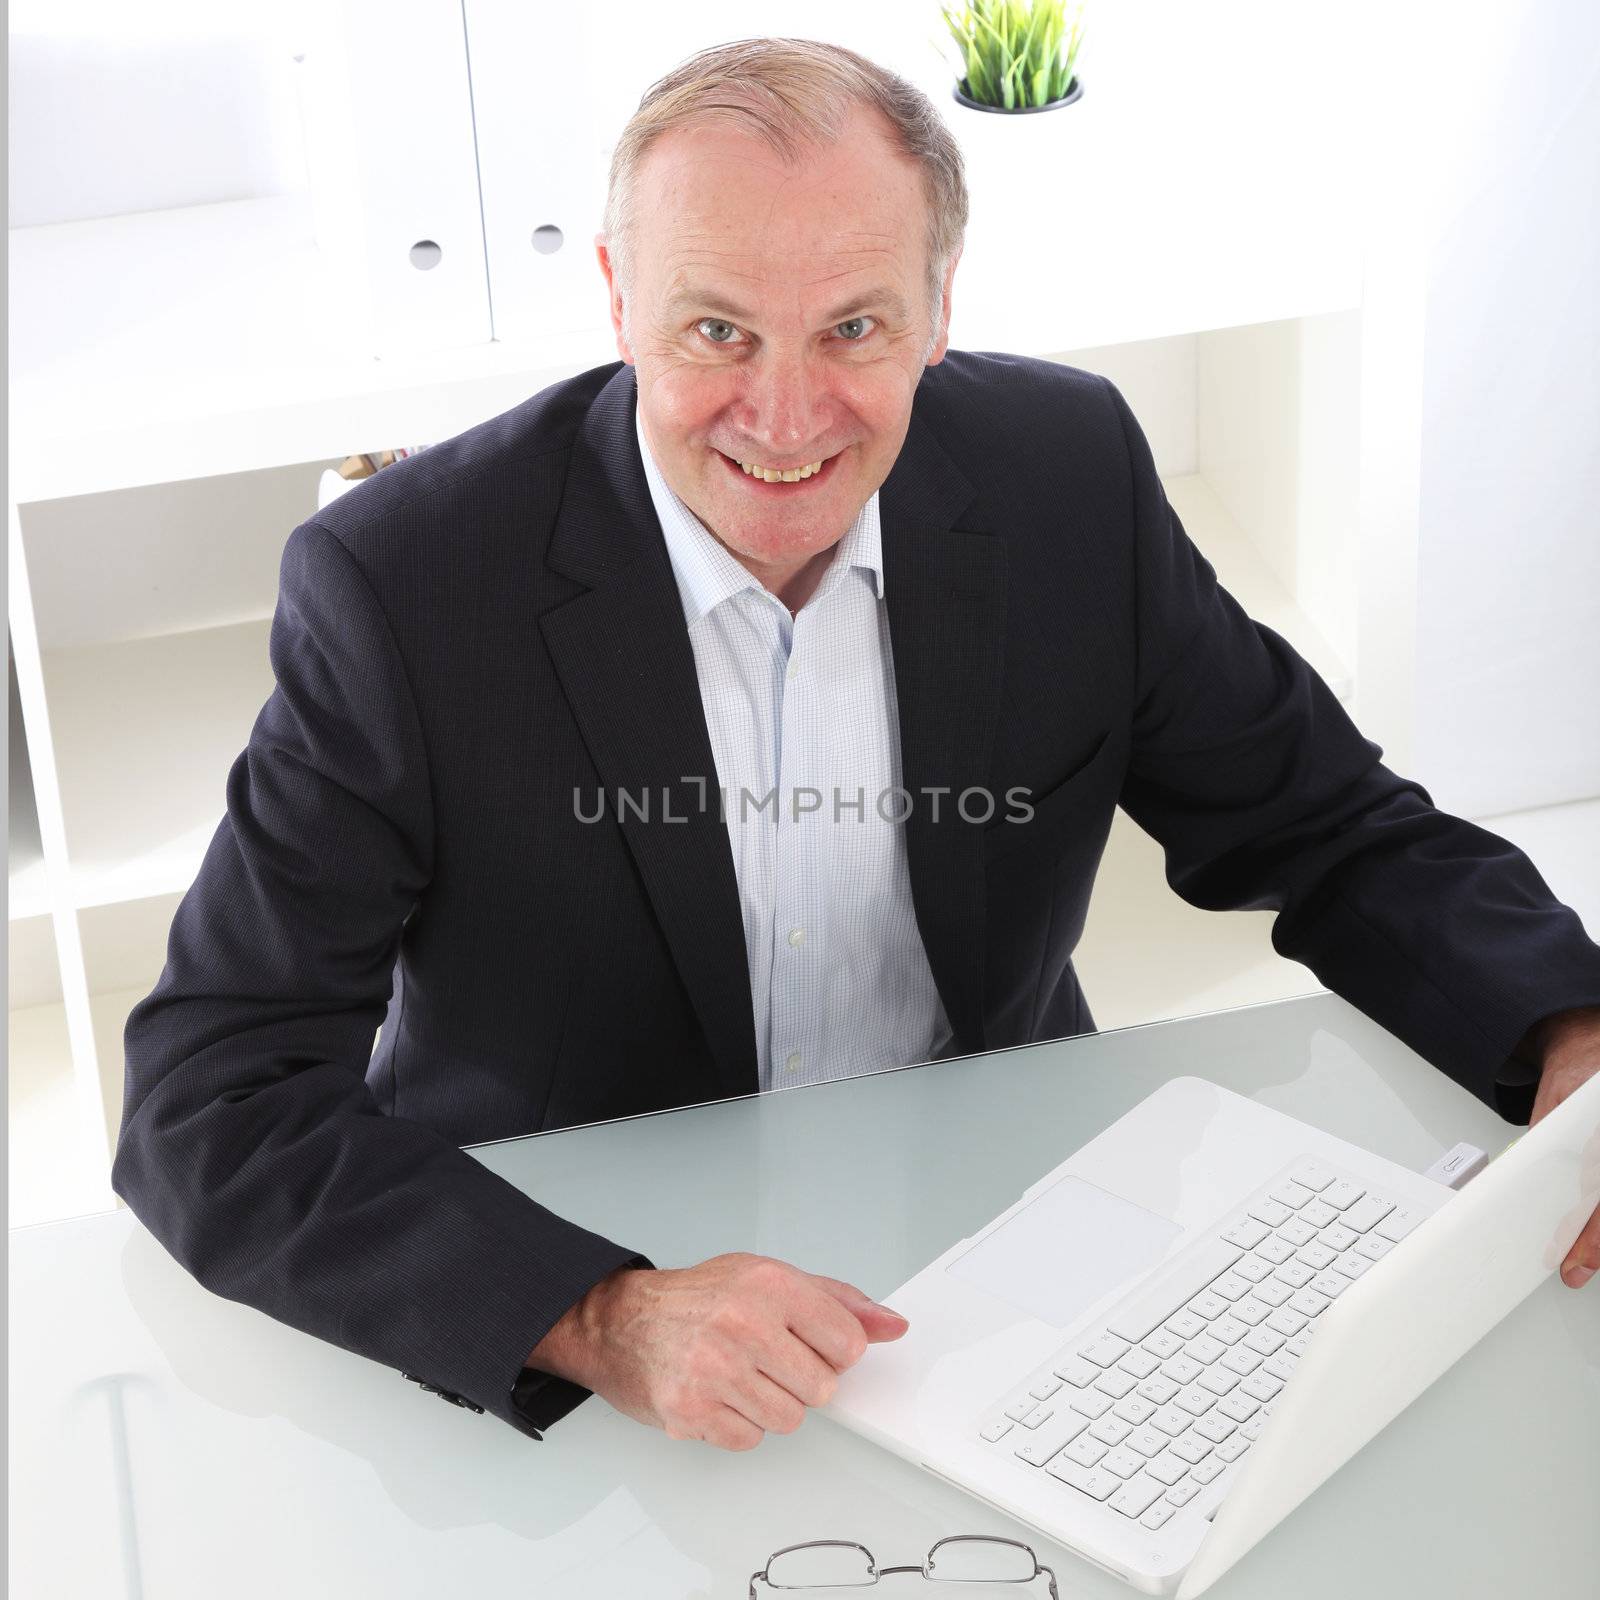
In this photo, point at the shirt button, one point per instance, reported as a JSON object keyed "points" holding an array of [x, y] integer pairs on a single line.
{"points": [[794, 668], [797, 936], [793, 1063]]}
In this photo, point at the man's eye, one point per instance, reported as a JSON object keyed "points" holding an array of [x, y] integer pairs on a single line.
{"points": [[714, 322], [725, 339]]}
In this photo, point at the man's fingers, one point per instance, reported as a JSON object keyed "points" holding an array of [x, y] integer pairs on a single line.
{"points": [[767, 1404], [793, 1365], [1583, 1259], [729, 1429]]}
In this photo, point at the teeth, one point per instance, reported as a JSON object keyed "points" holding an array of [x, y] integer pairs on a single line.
{"points": [[769, 475]]}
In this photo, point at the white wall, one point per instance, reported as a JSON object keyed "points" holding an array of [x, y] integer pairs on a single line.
{"points": [[1508, 638], [116, 108]]}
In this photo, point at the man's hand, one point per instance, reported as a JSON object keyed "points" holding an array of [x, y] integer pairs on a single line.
{"points": [[1569, 1046], [726, 1351]]}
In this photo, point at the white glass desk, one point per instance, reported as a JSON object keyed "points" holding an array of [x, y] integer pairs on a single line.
{"points": [[167, 1444]]}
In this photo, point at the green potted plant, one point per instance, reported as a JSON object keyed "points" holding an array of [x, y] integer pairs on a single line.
{"points": [[1018, 56]]}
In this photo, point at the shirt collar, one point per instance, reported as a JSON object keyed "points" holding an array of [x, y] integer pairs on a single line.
{"points": [[707, 574]]}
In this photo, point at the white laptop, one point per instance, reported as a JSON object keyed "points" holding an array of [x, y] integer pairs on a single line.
{"points": [[1180, 1332]]}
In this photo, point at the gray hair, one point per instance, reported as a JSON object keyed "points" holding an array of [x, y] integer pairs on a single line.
{"points": [[792, 93]]}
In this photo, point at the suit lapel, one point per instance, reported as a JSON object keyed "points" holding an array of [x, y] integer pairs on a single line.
{"points": [[624, 659], [944, 589]]}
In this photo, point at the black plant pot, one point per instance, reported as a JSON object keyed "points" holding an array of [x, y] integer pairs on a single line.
{"points": [[1074, 92]]}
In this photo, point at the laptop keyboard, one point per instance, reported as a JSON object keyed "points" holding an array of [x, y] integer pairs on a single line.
{"points": [[1159, 1402]]}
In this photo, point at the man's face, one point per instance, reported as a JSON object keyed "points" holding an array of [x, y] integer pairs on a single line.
{"points": [[778, 317]]}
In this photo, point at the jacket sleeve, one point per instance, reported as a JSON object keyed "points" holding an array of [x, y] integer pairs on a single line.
{"points": [[250, 1144], [1263, 793]]}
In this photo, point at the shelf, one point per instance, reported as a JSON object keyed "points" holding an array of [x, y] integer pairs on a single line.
{"points": [[211, 339], [146, 732]]}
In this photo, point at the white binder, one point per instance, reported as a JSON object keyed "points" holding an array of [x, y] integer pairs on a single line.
{"points": [[544, 138], [387, 109]]}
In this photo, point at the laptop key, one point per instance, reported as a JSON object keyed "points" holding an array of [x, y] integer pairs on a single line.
{"points": [[1183, 1491], [1116, 1382], [1397, 1224], [1044, 1388], [1337, 1236], [1252, 1310], [1111, 1429], [1166, 1469], [1218, 1379], [1163, 1343], [1078, 1372], [1296, 1232], [996, 1430], [1134, 1499], [1169, 1419], [1272, 1292], [1134, 1409], [1186, 1324], [1214, 1428], [1232, 1449], [1091, 1403], [1253, 1269], [1242, 1359], [1373, 1247], [1048, 1440], [1246, 1233], [1121, 1462], [1158, 1390], [1366, 1213], [1147, 1441], [1182, 1370], [1087, 1480], [1318, 1214], [1205, 1471], [1157, 1515], [1229, 1329], [1240, 1407], [1086, 1450], [1205, 1350], [1191, 1447], [1342, 1194], [1105, 1350], [1138, 1362], [1312, 1174]]}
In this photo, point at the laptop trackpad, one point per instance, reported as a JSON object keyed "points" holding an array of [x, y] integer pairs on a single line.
{"points": [[1065, 1249]]}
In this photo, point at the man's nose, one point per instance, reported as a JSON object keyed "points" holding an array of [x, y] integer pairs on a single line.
{"points": [[784, 393]]}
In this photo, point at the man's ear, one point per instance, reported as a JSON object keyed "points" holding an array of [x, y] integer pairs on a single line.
{"points": [[942, 343], [614, 291]]}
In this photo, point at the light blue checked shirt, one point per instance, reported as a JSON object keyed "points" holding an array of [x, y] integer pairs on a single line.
{"points": [[803, 725]]}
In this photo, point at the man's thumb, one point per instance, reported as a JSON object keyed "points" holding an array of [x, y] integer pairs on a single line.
{"points": [[879, 1322]]}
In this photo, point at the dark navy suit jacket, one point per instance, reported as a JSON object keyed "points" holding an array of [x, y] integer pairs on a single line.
{"points": [[479, 631]]}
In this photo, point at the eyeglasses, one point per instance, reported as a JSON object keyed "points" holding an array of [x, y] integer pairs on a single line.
{"points": [[960, 1558]]}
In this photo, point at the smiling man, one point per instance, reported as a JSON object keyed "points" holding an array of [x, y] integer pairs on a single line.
{"points": [[928, 610]]}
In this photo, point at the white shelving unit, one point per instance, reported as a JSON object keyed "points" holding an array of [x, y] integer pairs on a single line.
{"points": [[180, 380]]}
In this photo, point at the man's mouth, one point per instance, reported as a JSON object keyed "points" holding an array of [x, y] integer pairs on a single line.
{"points": [[767, 480]]}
